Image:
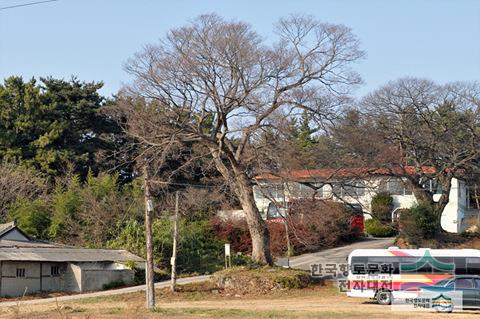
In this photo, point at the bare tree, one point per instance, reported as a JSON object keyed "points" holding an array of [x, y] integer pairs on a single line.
{"points": [[219, 85], [434, 128], [18, 182]]}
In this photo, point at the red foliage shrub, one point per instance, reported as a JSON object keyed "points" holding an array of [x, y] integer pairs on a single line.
{"points": [[278, 239], [318, 224], [312, 225], [234, 232]]}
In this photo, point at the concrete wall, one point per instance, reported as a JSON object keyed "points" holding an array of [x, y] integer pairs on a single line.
{"points": [[13, 286], [53, 282], [73, 277], [94, 279], [92, 276]]}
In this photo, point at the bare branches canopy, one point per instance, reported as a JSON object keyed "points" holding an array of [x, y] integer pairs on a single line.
{"points": [[219, 84]]}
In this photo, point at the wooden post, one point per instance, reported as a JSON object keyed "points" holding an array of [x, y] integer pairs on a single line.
{"points": [[285, 223], [149, 273], [173, 261]]}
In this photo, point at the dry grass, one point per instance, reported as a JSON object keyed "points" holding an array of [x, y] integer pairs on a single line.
{"points": [[201, 300]]}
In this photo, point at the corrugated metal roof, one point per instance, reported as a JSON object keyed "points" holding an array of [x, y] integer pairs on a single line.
{"points": [[6, 227], [5, 243], [20, 251]]}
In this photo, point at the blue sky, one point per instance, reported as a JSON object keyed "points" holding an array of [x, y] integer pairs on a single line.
{"points": [[92, 39]]}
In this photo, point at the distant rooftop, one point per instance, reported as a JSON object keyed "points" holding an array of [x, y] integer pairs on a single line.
{"points": [[31, 251], [6, 227], [332, 173]]}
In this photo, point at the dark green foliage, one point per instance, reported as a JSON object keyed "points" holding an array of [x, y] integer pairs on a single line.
{"points": [[382, 207], [419, 223], [55, 125], [198, 249], [377, 229], [32, 216]]}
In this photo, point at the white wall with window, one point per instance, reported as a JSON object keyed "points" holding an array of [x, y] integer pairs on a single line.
{"points": [[360, 192]]}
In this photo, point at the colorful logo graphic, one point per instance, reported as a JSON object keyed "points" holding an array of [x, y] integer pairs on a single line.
{"points": [[442, 303], [430, 260]]}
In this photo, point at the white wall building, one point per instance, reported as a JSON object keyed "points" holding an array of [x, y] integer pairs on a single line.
{"points": [[346, 185], [28, 266]]}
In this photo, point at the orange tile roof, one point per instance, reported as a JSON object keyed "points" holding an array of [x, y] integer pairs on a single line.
{"points": [[327, 173]]}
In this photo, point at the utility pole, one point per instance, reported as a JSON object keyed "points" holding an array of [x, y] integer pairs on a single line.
{"points": [[173, 261], [149, 273]]}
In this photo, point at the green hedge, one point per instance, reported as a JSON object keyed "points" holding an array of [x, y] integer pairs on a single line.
{"points": [[377, 229]]}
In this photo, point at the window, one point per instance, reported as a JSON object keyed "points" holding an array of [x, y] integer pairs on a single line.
{"points": [[477, 283], [299, 190], [473, 266], [460, 265], [349, 188], [20, 272], [473, 197], [395, 186], [54, 270], [275, 212], [268, 191], [463, 283]]}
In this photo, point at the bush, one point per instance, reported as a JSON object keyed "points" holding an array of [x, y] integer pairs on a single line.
{"points": [[377, 229], [260, 280], [234, 232], [312, 224], [315, 224], [418, 224], [382, 207], [198, 249], [32, 216]]}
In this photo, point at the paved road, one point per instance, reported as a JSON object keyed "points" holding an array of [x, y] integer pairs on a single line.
{"points": [[338, 254], [104, 293]]}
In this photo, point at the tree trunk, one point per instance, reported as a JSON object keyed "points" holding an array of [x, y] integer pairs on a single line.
{"points": [[440, 205], [426, 196], [256, 225], [242, 186]]}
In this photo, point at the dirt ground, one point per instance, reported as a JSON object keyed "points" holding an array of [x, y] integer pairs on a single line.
{"points": [[315, 302]]}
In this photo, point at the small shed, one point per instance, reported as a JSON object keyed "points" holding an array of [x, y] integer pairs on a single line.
{"points": [[30, 266]]}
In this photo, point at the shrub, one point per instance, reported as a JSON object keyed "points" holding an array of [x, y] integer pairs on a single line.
{"points": [[382, 207], [418, 223], [244, 280], [377, 229], [198, 249], [293, 281], [234, 232], [312, 224], [319, 224], [32, 216]]}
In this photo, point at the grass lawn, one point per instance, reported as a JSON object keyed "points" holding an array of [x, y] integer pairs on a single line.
{"points": [[203, 300]]}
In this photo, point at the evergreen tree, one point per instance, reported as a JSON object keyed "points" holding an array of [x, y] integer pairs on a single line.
{"points": [[56, 123]]}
